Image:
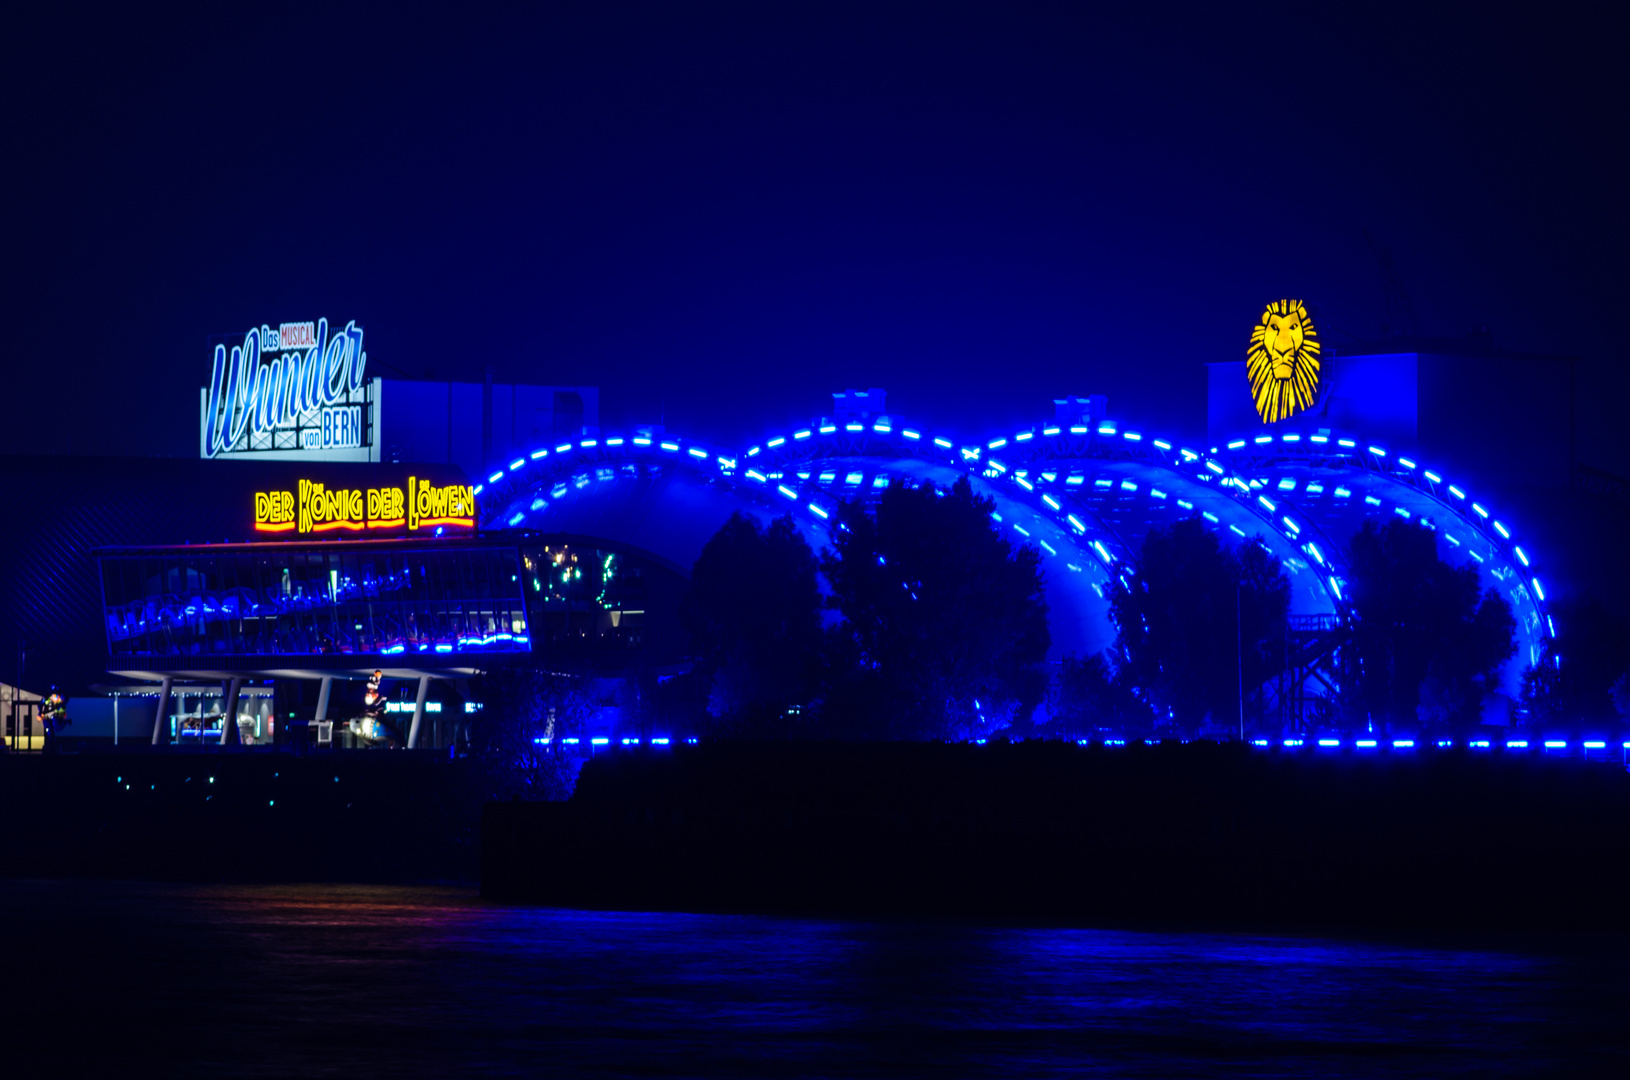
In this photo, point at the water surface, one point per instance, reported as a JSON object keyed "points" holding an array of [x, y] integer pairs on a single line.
{"points": [[398, 981]]}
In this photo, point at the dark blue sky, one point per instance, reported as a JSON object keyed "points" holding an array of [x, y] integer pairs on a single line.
{"points": [[727, 213]]}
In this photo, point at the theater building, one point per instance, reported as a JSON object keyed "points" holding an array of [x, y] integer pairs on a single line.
{"points": [[338, 522], [327, 530]]}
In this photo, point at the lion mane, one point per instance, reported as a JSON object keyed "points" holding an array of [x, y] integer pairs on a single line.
{"points": [[1283, 362]]}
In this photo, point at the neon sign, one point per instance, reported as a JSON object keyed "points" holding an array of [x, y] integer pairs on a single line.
{"points": [[1283, 361], [293, 391], [314, 507]]}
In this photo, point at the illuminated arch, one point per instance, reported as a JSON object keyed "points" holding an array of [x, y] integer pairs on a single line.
{"points": [[659, 493], [1041, 479], [1086, 458], [1084, 492], [820, 466], [1339, 481]]}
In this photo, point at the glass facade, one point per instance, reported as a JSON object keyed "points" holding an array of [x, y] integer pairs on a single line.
{"points": [[585, 599], [321, 600]]}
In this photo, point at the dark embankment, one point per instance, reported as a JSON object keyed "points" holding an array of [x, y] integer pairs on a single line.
{"points": [[238, 816], [1195, 835]]}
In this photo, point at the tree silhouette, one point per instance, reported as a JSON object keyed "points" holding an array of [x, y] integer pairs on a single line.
{"points": [[1180, 618], [1429, 644], [754, 616], [1093, 695], [1573, 680], [945, 625], [523, 706]]}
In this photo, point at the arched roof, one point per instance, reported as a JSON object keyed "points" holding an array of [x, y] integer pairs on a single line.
{"points": [[1338, 481], [1085, 493]]}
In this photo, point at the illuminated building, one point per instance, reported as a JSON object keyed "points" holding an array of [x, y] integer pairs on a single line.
{"points": [[268, 579]]}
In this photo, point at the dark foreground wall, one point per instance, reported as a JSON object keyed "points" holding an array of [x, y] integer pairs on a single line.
{"points": [[218, 815], [1196, 834]]}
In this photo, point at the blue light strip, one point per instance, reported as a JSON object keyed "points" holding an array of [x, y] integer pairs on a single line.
{"points": [[1233, 484], [1427, 484]]}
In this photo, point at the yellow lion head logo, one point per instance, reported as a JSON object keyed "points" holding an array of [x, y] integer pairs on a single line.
{"points": [[1283, 363]]}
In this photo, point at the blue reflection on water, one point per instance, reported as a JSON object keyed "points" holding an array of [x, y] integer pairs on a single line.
{"points": [[344, 980]]}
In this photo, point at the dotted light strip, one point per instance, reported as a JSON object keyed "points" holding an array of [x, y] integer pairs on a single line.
{"points": [[1398, 469], [1194, 465]]}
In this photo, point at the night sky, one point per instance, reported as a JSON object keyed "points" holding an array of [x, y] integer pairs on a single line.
{"points": [[721, 215]]}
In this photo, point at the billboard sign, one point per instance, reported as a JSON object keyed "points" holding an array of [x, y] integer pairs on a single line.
{"points": [[383, 502], [296, 391]]}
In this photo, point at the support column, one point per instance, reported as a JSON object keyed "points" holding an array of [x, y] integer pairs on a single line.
{"points": [[321, 715], [229, 715], [418, 712], [115, 719], [161, 729]]}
